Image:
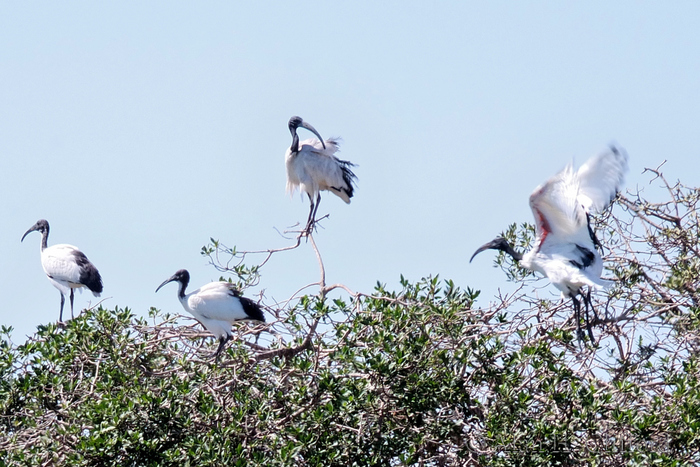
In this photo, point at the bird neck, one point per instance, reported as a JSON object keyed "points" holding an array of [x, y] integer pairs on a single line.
{"points": [[44, 239], [514, 254], [505, 247], [181, 293], [294, 148]]}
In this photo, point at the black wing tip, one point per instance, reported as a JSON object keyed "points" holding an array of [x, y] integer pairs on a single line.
{"points": [[96, 287], [89, 275], [349, 178], [93, 281], [346, 163], [252, 309]]}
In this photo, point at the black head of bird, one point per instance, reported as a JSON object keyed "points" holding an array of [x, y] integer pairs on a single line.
{"points": [[181, 276], [41, 226], [296, 122], [501, 244]]}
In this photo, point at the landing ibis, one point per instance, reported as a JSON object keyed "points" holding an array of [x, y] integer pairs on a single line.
{"points": [[565, 244]]}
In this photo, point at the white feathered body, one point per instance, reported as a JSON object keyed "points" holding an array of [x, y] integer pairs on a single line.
{"points": [[564, 249], [314, 169], [216, 306], [65, 266]]}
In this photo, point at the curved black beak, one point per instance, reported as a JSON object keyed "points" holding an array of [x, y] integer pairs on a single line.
{"points": [[167, 281], [481, 248], [34, 228], [312, 130], [501, 244]]}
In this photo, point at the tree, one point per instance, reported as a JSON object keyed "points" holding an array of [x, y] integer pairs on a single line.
{"points": [[419, 376]]}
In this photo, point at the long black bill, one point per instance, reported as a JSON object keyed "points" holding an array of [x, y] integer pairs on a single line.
{"points": [[501, 244], [313, 130], [34, 228], [167, 281]]}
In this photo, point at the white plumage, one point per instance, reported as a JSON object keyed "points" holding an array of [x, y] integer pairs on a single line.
{"points": [[216, 305], [312, 167], [565, 245], [66, 267]]}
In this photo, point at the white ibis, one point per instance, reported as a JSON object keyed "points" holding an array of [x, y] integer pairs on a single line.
{"points": [[312, 167], [66, 267], [565, 244], [216, 305]]}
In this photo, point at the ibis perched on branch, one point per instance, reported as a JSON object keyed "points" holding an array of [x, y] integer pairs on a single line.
{"points": [[565, 244], [66, 267], [216, 305], [312, 167]]}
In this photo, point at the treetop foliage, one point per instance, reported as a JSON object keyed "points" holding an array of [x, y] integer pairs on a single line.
{"points": [[425, 375]]}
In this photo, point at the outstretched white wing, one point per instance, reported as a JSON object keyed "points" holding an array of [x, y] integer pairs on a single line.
{"points": [[561, 205], [555, 207], [600, 178]]}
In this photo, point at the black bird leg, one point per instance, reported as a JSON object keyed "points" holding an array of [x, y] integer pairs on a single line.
{"points": [[312, 214], [588, 323], [72, 293], [307, 229], [577, 317], [63, 300], [587, 302], [318, 201], [588, 298], [222, 344]]}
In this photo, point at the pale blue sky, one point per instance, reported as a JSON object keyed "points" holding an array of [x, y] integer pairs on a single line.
{"points": [[141, 129]]}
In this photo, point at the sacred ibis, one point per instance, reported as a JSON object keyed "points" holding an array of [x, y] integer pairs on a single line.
{"points": [[66, 267], [312, 167], [216, 305], [565, 244]]}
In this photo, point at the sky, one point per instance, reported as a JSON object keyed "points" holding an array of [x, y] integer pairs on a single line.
{"points": [[141, 129]]}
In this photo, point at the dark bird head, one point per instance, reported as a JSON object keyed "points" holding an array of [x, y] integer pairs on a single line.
{"points": [[296, 122], [499, 243], [182, 276], [41, 226]]}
